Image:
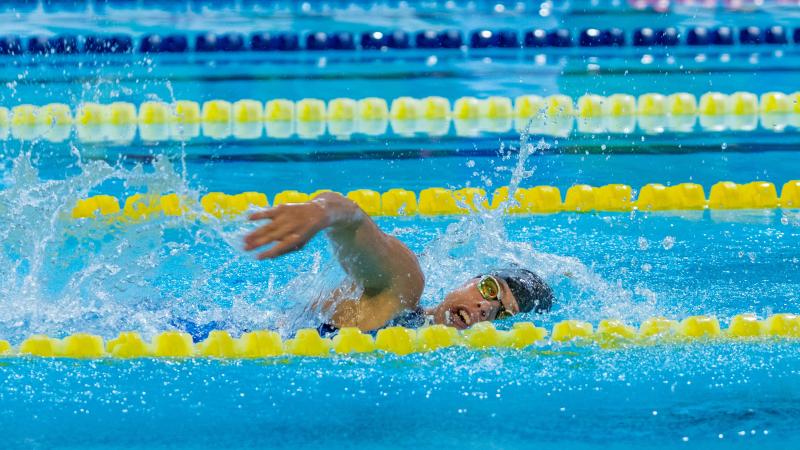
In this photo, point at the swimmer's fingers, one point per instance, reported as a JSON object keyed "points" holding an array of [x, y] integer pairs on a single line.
{"points": [[270, 232], [270, 213], [291, 243], [257, 233]]}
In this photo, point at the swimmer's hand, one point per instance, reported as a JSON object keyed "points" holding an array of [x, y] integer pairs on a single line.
{"points": [[386, 270], [292, 225]]}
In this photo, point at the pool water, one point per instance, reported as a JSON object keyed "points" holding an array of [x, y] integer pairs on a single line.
{"points": [[63, 276]]}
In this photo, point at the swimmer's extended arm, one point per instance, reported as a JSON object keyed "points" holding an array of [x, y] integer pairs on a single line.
{"points": [[387, 270]]}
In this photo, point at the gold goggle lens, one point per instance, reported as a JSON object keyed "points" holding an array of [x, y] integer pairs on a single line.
{"points": [[488, 288]]}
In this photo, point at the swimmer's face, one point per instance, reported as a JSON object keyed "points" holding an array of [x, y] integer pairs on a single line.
{"points": [[466, 306]]}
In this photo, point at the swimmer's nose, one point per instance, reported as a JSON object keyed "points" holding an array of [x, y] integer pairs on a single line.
{"points": [[484, 309]]}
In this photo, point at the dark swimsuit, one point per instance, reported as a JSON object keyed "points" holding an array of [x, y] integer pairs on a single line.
{"points": [[413, 318], [410, 319]]}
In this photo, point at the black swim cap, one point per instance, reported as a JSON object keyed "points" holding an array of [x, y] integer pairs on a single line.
{"points": [[531, 292]]}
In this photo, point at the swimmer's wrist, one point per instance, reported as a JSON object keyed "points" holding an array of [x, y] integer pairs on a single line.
{"points": [[339, 211]]}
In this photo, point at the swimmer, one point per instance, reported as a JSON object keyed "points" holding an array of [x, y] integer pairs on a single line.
{"points": [[387, 272]]}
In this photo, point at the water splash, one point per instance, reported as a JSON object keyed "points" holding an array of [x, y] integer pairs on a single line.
{"points": [[64, 275], [480, 242]]}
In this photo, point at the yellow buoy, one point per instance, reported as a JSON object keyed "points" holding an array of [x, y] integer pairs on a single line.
{"points": [[699, 327], [173, 344], [122, 113], [435, 201], [783, 325], [790, 194], [128, 345], [218, 344], [248, 111], [496, 107], [435, 108], [82, 345], [154, 113], [342, 109], [651, 104], [529, 106], [658, 327], [524, 334], [559, 105], [434, 337], [372, 108], [310, 110], [284, 197], [259, 344], [40, 345], [614, 197], [580, 198], [483, 335], [217, 111], [397, 340], [186, 112], [406, 108], [90, 114], [590, 105], [396, 202], [367, 200], [307, 342], [745, 326], [279, 110], [352, 340], [568, 330]]}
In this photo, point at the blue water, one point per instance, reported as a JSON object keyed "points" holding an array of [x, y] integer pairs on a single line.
{"points": [[703, 397], [63, 276]]}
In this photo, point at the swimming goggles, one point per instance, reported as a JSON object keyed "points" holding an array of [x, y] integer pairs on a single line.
{"points": [[490, 290]]}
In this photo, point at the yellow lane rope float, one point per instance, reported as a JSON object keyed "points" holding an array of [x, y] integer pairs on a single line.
{"points": [[724, 195], [311, 118], [403, 341]]}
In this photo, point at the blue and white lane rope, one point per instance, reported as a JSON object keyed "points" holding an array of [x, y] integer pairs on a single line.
{"points": [[391, 40]]}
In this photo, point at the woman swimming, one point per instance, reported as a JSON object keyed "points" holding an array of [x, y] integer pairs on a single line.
{"points": [[388, 273]]}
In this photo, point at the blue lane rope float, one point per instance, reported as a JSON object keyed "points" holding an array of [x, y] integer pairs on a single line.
{"points": [[608, 334], [310, 118], [435, 201], [493, 7], [382, 40]]}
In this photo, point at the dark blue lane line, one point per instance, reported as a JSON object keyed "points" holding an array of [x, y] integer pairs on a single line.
{"points": [[479, 149], [524, 69]]}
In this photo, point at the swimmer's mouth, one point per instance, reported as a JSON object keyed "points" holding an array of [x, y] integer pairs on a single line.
{"points": [[459, 317]]}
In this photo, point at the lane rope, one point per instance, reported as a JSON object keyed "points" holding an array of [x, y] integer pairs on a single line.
{"points": [[394, 40], [312, 118], [724, 195], [404, 341], [493, 8]]}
